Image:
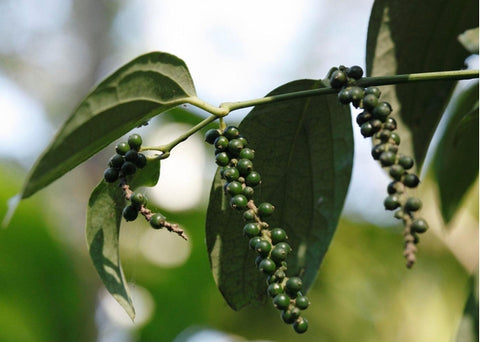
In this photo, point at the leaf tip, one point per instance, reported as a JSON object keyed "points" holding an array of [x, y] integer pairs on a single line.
{"points": [[12, 204]]}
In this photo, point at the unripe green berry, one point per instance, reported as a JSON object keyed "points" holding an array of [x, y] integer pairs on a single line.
{"points": [[110, 175], [138, 199], [248, 192], [265, 209], [366, 129], [290, 315], [263, 247], [244, 166], [399, 214], [338, 79], [413, 204], [243, 140], [285, 246], [390, 124], [251, 229], [249, 215], [345, 95], [387, 158], [384, 135], [238, 202], [302, 302], [122, 148], [274, 289], [130, 213], [391, 202], [374, 91], [231, 132], [278, 254], [419, 226], [406, 161], [376, 124], [357, 95], [222, 159], [247, 153], [355, 72], [294, 284], [363, 117], [116, 161], [131, 156], [369, 101], [281, 301], [382, 110], [128, 168], [231, 173], [235, 146], [377, 150], [301, 325], [395, 138], [157, 221], [221, 143], [410, 180], [135, 141], [252, 243], [267, 266], [253, 179], [396, 171], [211, 135], [141, 161], [233, 188], [278, 235]]}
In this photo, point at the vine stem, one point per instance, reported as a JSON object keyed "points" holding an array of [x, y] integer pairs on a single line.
{"points": [[226, 107]]}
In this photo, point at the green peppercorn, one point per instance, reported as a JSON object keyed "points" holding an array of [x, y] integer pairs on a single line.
{"points": [[131, 156], [376, 124], [252, 243], [116, 161], [211, 135], [267, 266], [251, 229], [244, 166], [345, 95], [231, 173], [238, 202], [289, 316], [247, 153], [281, 301], [391, 202], [265, 209], [253, 179], [377, 150], [413, 204], [357, 95], [419, 226], [410, 180], [221, 143], [157, 221], [110, 175], [135, 141], [243, 141], [122, 148], [301, 325], [294, 284], [355, 72], [387, 158], [285, 246], [278, 254], [138, 199], [363, 117], [394, 187], [231, 132], [390, 124], [397, 171], [248, 192], [128, 168], [381, 111], [235, 146], [249, 215], [369, 101], [395, 138], [130, 213], [233, 188], [222, 159], [263, 247], [338, 79], [274, 289], [278, 235], [302, 302], [141, 161], [374, 91], [406, 161], [399, 214], [383, 135], [366, 129]]}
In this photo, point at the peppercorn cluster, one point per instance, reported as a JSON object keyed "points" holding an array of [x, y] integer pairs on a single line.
{"points": [[375, 122], [125, 163], [235, 159]]}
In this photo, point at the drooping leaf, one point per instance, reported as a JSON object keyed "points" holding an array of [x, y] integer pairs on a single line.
{"points": [[418, 36], [141, 89], [303, 151], [104, 215], [456, 158]]}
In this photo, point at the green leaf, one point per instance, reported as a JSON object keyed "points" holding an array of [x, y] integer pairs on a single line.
{"points": [[456, 158], [104, 215], [418, 36], [141, 89], [469, 40], [303, 151]]}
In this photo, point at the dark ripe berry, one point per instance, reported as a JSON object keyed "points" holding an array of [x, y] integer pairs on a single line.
{"points": [[382, 110], [419, 226], [141, 161], [249, 215], [395, 138], [116, 161], [399, 214], [122, 148], [413, 204], [376, 124], [235, 146], [231, 132], [231, 173], [274, 289], [384, 135], [394, 187], [265, 209], [221, 143], [110, 175], [338, 79], [278, 235], [302, 302], [363, 117], [289, 316], [369, 101], [131, 156], [233, 188], [387, 158], [135, 141], [267, 266], [278, 254], [366, 129], [130, 213], [281, 301], [253, 178], [357, 95], [248, 192], [211, 135], [251, 229], [396, 171], [280, 274], [238, 202], [222, 159], [244, 166], [391, 202], [390, 124], [157, 221], [284, 245], [243, 140], [374, 91], [253, 242], [410, 180], [294, 284], [128, 168], [377, 150], [406, 162], [138, 199], [263, 247], [247, 153], [301, 325], [345, 95], [355, 72]]}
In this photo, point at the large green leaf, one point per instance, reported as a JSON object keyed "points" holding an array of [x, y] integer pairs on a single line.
{"points": [[418, 36], [104, 215], [141, 89], [456, 158], [304, 151]]}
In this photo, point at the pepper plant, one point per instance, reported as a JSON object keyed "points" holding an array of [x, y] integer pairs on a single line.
{"points": [[284, 171]]}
